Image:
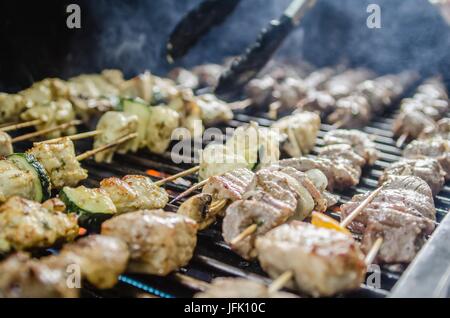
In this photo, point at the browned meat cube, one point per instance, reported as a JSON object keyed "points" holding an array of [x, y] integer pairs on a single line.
{"points": [[230, 185]]}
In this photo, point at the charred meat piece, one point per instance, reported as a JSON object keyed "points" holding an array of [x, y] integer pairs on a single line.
{"points": [[320, 102], [403, 235], [339, 175], [342, 153], [230, 185], [241, 214], [60, 162], [412, 123], [344, 83], [441, 130], [159, 242], [436, 148], [260, 90], [352, 111], [101, 259], [360, 142], [133, 192], [239, 288], [26, 224], [428, 169], [23, 277], [324, 262], [197, 208]]}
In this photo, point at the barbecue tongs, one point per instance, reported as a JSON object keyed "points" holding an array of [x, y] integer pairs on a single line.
{"points": [[248, 65]]}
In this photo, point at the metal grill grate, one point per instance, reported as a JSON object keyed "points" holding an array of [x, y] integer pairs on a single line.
{"points": [[213, 258]]}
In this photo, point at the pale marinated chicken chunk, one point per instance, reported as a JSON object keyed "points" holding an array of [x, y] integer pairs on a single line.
{"points": [[101, 259], [60, 162], [114, 125], [14, 181], [11, 106], [134, 192], [6, 147], [239, 288], [163, 121], [324, 262], [213, 110], [95, 85], [301, 129], [26, 224], [24, 277], [159, 242], [52, 114]]}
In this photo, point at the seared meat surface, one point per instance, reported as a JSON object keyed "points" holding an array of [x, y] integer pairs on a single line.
{"points": [[159, 242], [60, 162], [14, 181], [230, 185], [26, 224], [6, 147], [360, 142], [428, 169], [324, 262], [134, 192]]}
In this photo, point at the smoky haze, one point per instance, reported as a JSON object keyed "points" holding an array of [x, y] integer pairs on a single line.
{"points": [[131, 35]]}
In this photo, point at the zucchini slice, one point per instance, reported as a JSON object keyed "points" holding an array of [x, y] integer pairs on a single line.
{"points": [[93, 206], [139, 108], [42, 183]]}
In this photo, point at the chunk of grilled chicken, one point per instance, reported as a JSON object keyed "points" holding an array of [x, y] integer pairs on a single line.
{"points": [[101, 259], [264, 211], [360, 142], [343, 154], [6, 147], [324, 262], [163, 121], [14, 181], [239, 288], [11, 106], [159, 242], [96, 85], [403, 235], [134, 192], [52, 114], [260, 90], [432, 108], [434, 88], [230, 185], [301, 129], [26, 224], [213, 110], [23, 277], [436, 148], [60, 162], [114, 125], [428, 169]]}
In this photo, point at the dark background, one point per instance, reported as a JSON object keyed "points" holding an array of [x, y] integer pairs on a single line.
{"points": [[35, 42]]}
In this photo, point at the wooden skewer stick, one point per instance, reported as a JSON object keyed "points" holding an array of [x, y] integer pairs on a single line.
{"points": [[338, 124], [244, 234], [240, 104], [46, 131], [280, 282], [190, 190], [22, 125], [373, 251], [191, 282], [73, 137], [178, 175], [401, 140], [92, 152], [361, 207]]}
